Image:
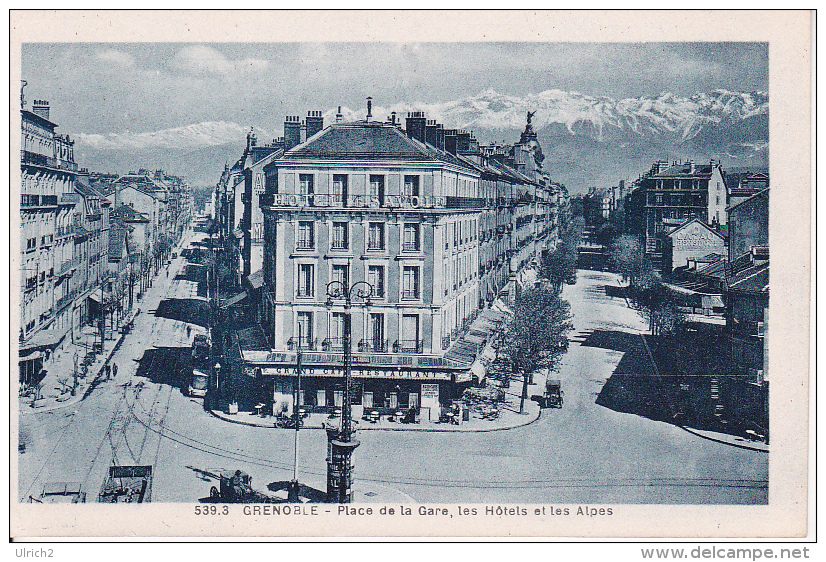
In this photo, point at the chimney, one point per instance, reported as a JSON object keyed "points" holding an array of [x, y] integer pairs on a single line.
{"points": [[292, 131], [369, 108], [430, 132], [339, 116], [393, 117], [41, 109], [315, 123], [463, 141], [440, 137], [415, 125], [450, 140]]}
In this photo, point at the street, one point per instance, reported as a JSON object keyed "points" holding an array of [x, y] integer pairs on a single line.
{"points": [[582, 453]]}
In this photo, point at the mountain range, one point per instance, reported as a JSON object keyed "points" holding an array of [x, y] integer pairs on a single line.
{"points": [[587, 140]]}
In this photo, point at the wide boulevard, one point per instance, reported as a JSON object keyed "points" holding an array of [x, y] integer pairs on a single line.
{"points": [[582, 453]]}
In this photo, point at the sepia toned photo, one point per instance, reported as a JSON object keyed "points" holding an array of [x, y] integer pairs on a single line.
{"points": [[362, 280]]}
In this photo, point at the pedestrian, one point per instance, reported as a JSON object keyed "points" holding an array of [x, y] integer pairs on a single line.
{"points": [[188, 330], [115, 370], [108, 369]]}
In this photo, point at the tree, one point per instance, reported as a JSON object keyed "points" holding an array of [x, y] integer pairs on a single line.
{"points": [[559, 266], [660, 306], [536, 337], [627, 256]]}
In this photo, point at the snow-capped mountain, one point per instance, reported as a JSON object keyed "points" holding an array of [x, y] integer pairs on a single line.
{"points": [[197, 135], [587, 140], [666, 115]]}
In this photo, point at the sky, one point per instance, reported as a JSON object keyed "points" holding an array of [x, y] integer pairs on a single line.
{"points": [[135, 93]]}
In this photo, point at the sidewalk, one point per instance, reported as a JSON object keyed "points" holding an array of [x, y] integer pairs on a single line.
{"points": [[726, 439], [57, 384], [509, 416], [61, 368]]}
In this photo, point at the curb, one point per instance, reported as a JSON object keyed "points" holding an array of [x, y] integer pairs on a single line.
{"points": [[533, 419], [729, 443]]}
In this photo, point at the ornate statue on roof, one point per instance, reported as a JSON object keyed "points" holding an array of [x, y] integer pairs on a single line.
{"points": [[529, 138]]}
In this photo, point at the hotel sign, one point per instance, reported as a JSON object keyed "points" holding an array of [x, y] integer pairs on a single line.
{"points": [[379, 360], [359, 201]]}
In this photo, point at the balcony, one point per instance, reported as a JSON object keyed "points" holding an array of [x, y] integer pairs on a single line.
{"points": [[410, 247], [35, 159], [305, 344], [409, 295], [373, 346], [332, 344], [408, 346]]}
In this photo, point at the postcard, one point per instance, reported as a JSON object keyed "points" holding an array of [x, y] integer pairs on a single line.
{"points": [[411, 274]]}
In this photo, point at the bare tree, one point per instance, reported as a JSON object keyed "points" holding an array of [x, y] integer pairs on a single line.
{"points": [[536, 337]]}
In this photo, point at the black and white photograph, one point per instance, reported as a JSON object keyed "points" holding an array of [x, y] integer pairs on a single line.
{"points": [[450, 279]]}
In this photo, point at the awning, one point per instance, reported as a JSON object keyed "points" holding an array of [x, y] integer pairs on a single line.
{"points": [[31, 356], [98, 294], [232, 301], [713, 301], [500, 306], [256, 280]]}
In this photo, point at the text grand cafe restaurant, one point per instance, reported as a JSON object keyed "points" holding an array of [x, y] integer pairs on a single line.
{"points": [[378, 381]]}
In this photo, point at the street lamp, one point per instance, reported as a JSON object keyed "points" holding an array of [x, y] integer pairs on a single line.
{"points": [[294, 485], [340, 442], [217, 379]]}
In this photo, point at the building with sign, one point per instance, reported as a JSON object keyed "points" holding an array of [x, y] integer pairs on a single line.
{"points": [[366, 202], [689, 242], [436, 225], [667, 195]]}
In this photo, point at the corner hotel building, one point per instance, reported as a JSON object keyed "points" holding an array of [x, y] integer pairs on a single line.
{"points": [[367, 201]]}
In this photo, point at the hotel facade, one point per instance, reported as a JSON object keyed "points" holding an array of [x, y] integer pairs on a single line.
{"points": [[426, 234]]}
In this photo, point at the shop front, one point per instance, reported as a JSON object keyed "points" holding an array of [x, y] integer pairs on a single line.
{"points": [[419, 382]]}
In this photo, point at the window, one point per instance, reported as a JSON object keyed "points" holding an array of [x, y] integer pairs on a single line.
{"points": [[410, 333], [341, 274], [306, 280], [305, 184], [376, 332], [337, 330], [410, 242], [455, 235], [377, 187], [375, 276], [304, 330], [306, 238], [411, 186], [340, 241], [410, 282], [445, 274], [375, 240], [340, 189], [367, 399]]}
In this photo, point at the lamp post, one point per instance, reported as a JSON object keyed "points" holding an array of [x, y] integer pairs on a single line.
{"points": [[340, 441], [294, 485], [215, 400]]}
